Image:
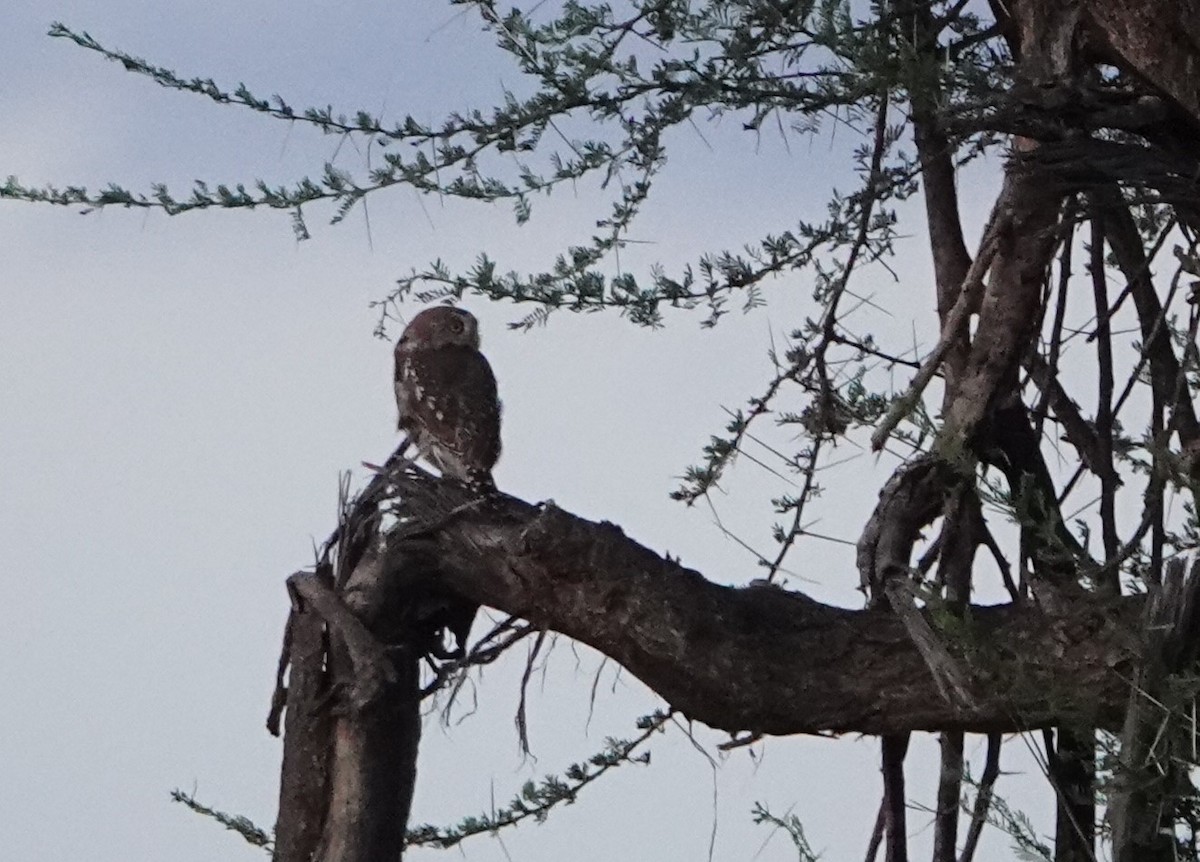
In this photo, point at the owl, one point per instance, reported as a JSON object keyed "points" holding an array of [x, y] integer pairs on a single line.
{"points": [[446, 394]]}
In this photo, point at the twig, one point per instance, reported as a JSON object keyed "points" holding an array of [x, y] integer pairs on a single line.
{"points": [[956, 320], [983, 797], [521, 720], [877, 832]]}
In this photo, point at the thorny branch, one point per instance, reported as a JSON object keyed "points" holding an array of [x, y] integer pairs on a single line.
{"points": [[1091, 145]]}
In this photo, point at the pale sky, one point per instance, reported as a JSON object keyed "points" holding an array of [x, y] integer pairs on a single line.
{"points": [[180, 394]]}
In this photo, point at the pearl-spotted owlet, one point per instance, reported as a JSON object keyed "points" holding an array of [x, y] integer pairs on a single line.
{"points": [[446, 394]]}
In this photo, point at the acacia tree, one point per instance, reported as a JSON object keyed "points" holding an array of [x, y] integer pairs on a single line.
{"points": [[1065, 324]]}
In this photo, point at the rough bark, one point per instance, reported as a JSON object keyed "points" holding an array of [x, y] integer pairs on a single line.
{"points": [[764, 659], [354, 643], [353, 718], [1046, 40], [1028, 212], [1158, 41], [377, 728], [304, 780], [1158, 739], [951, 264]]}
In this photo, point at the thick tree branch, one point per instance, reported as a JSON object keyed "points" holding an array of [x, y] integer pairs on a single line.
{"points": [[1158, 41], [1010, 303], [370, 720], [761, 658]]}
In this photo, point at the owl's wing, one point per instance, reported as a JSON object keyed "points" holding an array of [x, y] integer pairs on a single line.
{"points": [[448, 403]]}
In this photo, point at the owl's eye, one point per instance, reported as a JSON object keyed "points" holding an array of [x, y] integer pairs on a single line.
{"points": [[456, 324]]}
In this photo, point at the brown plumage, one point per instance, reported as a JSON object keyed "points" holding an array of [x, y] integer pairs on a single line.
{"points": [[446, 394]]}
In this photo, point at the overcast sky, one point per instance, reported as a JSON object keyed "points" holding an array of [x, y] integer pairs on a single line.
{"points": [[180, 394]]}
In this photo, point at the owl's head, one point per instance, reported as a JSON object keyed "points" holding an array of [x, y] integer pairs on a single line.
{"points": [[440, 326]]}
